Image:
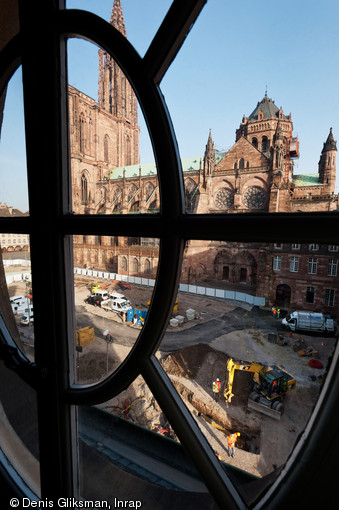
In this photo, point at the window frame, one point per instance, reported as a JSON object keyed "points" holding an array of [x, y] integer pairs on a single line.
{"points": [[56, 399], [294, 264], [312, 265], [310, 291], [332, 267], [277, 261], [329, 297]]}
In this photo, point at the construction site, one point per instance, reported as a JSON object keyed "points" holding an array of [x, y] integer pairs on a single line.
{"points": [[193, 354]]}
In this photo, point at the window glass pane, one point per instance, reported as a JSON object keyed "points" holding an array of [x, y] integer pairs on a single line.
{"points": [[13, 168], [142, 20], [114, 279], [246, 147], [108, 138], [232, 303], [18, 417], [16, 290], [129, 452]]}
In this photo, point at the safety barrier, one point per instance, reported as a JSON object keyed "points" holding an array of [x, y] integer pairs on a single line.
{"points": [[191, 289]]}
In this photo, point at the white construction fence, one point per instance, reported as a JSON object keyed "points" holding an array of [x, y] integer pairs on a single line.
{"points": [[191, 289]]}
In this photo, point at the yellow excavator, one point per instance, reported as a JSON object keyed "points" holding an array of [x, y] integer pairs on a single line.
{"points": [[271, 383]]}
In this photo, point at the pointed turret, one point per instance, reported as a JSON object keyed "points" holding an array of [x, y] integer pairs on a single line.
{"points": [[327, 163]]}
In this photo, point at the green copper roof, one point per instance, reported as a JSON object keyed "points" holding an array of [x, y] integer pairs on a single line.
{"points": [[307, 180], [188, 165]]}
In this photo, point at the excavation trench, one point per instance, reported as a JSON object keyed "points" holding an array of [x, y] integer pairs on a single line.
{"points": [[249, 432]]}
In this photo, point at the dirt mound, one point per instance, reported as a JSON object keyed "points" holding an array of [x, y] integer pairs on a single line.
{"points": [[189, 361], [203, 364]]}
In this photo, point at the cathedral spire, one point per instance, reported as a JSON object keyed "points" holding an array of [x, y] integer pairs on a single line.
{"points": [[117, 97], [117, 18], [209, 159]]}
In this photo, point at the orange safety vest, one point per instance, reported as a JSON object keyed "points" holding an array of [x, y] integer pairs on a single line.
{"points": [[231, 440], [216, 386]]}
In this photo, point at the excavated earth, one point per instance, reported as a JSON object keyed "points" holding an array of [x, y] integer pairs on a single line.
{"points": [[193, 355]]}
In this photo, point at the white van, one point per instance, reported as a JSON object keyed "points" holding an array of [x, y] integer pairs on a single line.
{"points": [[14, 299], [308, 321], [116, 295], [19, 306], [101, 293]]}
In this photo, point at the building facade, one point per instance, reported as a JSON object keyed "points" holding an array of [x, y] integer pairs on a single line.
{"points": [[104, 134], [255, 175]]}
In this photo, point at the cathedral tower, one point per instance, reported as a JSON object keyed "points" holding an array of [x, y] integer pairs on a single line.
{"points": [[327, 165], [116, 96]]}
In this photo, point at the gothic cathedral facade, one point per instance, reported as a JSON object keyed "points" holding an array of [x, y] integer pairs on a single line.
{"points": [[255, 175], [103, 134]]}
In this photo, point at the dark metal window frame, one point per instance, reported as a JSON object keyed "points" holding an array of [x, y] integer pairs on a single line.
{"points": [[41, 48]]}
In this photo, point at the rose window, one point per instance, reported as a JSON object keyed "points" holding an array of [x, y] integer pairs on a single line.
{"points": [[224, 199], [254, 197]]}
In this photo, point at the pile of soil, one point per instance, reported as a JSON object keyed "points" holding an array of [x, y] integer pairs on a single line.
{"points": [[203, 364]]}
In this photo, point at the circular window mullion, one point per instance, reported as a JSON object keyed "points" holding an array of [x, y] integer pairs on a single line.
{"points": [[171, 250]]}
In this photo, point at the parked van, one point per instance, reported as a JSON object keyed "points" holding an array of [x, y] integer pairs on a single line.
{"points": [[101, 293], [117, 295], [20, 305], [308, 321], [13, 299]]}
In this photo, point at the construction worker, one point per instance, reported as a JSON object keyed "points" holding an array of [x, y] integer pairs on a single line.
{"points": [[274, 311], [278, 313], [231, 439], [216, 389]]}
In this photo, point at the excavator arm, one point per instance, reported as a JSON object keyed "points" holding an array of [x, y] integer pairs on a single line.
{"points": [[231, 367]]}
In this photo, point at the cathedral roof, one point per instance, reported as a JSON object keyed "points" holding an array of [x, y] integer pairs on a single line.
{"points": [[268, 108], [188, 165], [306, 180]]}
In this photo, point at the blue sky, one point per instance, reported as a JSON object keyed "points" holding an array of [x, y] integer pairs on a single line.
{"points": [[232, 53]]}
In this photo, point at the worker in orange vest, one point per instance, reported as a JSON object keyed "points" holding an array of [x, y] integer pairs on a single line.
{"points": [[231, 439], [216, 389]]}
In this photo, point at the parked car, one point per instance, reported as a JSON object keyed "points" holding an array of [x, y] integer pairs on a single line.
{"points": [[94, 299]]}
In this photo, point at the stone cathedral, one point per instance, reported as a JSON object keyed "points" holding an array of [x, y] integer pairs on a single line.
{"points": [[103, 134], [255, 175]]}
